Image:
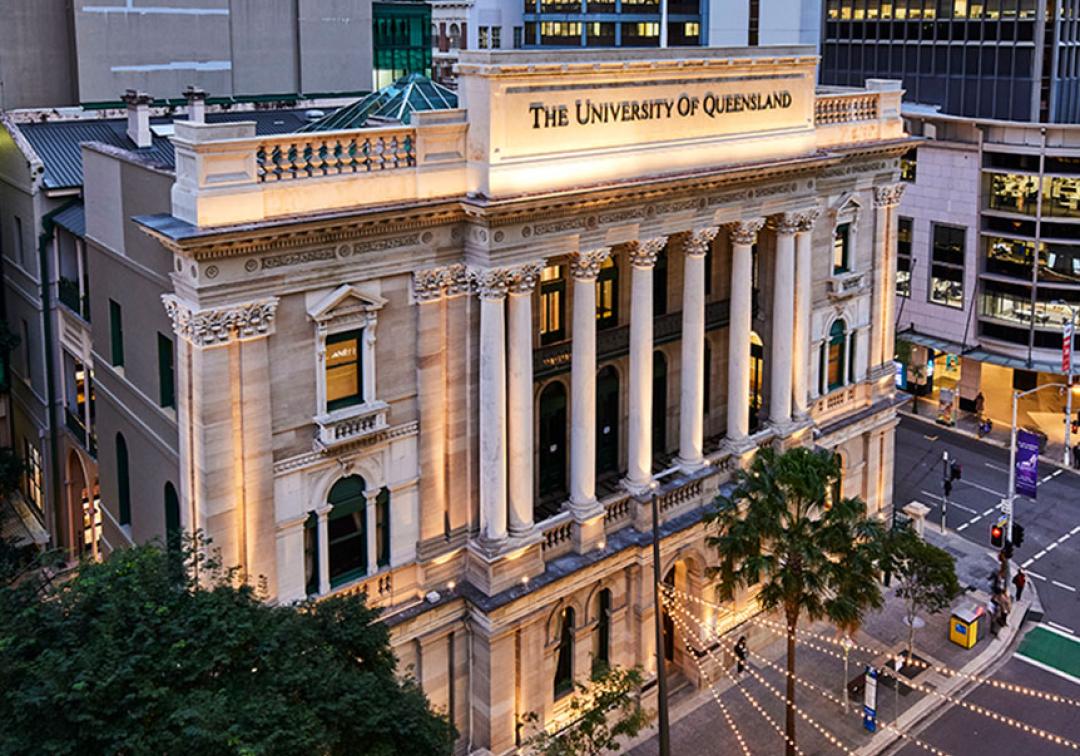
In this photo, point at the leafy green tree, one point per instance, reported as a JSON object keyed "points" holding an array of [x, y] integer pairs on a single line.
{"points": [[132, 656], [603, 711], [778, 530], [925, 576]]}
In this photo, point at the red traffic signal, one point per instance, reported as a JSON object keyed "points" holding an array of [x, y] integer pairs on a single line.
{"points": [[997, 534]]}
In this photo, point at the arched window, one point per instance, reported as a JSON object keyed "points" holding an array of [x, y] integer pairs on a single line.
{"points": [[602, 646], [311, 554], [455, 36], [172, 518], [123, 480], [607, 295], [835, 355], [564, 666], [346, 531], [382, 527]]}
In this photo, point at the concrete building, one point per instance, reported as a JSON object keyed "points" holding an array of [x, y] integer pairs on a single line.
{"points": [[500, 24], [1009, 59], [56, 53], [989, 261], [443, 363]]}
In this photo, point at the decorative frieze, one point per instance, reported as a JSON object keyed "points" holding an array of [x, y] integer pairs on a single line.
{"points": [[698, 242], [643, 252], [214, 326], [745, 231], [586, 265], [889, 195], [297, 258]]}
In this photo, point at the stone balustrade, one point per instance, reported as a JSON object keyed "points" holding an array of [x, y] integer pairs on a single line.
{"points": [[845, 285], [850, 116], [333, 153], [832, 109], [558, 534], [343, 427]]}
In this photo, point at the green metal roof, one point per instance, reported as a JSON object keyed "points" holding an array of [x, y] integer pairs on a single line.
{"points": [[396, 102]]}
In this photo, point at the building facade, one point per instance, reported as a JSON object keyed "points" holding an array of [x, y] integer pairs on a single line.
{"points": [[1009, 59], [447, 364], [989, 255]]}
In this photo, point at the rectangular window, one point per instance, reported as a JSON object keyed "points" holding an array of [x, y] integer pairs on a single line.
{"points": [[908, 165], [382, 528], [311, 554], [496, 37], [166, 372], [518, 34], [483, 38], [947, 266], [19, 251], [753, 25], [344, 370], [607, 295], [552, 304], [33, 485], [116, 334], [692, 29], [841, 248], [905, 228]]}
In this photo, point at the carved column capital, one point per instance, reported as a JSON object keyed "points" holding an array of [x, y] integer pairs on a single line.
{"points": [[889, 195], [745, 231], [431, 284], [786, 224], [213, 326], [643, 252], [586, 265], [807, 219], [699, 240], [524, 277], [491, 283]]}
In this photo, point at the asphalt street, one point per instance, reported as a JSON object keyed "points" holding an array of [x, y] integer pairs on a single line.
{"points": [[1051, 549]]}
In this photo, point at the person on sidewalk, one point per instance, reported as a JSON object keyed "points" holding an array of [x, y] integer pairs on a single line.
{"points": [[1020, 581], [993, 611], [740, 654], [1004, 605], [980, 405]]}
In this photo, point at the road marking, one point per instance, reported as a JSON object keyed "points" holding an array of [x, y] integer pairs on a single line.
{"points": [[931, 495], [1064, 538], [930, 438], [984, 488], [1040, 555], [1047, 668], [1025, 564], [974, 519], [999, 468], [1075, 530], [1051, 547], [962, 508], [1059, 629], [962, 527], [1062, 585], [993, 509], [1035, 575]]}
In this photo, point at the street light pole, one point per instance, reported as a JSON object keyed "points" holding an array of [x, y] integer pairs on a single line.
{"points": [[945, 489], [1010, 495], [661, 675]]}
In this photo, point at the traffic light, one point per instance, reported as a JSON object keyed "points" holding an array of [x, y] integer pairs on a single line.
{"points": [[1007, 549], [1018, 534], [997, 535], [955, 471]]}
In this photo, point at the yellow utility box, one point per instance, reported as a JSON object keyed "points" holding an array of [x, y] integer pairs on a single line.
{"points": [[965, 629]]}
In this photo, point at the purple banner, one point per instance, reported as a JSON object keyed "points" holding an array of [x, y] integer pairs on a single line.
{"points": [[1027, 463]]}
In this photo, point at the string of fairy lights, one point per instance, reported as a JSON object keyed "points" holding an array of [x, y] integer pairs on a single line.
{"points": [[800, 680], [719, 701], [780, 630], [939, 668], [830, 737]]}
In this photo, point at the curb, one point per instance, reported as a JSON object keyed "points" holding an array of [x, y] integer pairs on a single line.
{"points": [[930, 705]]}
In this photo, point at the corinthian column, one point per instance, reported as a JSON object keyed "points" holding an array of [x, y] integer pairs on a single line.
{"points": [[584, 267], [519, 397], [783, 315], [886, 198], [492, 286], [691, 406], [800, 345], [743, 234], [642, 256]]}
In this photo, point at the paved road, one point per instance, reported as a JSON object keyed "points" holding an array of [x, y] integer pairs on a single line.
{"points": [[1051, 550]]}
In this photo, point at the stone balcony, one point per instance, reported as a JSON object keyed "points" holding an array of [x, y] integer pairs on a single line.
{"points": [[848, 284], [351, 424]]}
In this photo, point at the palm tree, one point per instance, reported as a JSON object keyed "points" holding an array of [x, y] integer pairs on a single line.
{"points": [[809, 555]]}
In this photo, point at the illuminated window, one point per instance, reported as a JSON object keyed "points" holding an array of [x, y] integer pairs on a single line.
{"points": [[563, 29], [564, 665], [692, 29], [842, 248], [648, 29], [482, 37], [496, 37], [602, 645], [32, 479], [607, 295], [903, 256], [344, 370], [552, 304], [908, 165], [835, 356], [947, 266]]}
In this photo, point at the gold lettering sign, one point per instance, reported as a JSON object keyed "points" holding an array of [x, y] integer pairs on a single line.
{"points": [[587, 112]]}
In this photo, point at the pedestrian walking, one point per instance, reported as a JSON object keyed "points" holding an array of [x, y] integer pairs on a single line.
{"points": [[1020, 581], [992, 619], [980, 405], [740, 654]]}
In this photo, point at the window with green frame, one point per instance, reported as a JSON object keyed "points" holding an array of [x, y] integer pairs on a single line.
{"points": [[344, 370], [842, 248], [346, 531], [607, 295], [835, 356], [166, 372], [382, 528], [116, 334]]}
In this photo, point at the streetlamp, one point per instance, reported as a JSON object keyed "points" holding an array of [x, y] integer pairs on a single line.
{"points": [[1067, 336], [661, 673], [1011, 493]]}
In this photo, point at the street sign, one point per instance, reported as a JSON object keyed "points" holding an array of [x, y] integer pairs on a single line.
{"points": [[870, 700], [1066, 348], [1027, 463]]}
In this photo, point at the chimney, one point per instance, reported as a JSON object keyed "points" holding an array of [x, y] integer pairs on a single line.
{"points": [[138, 117], [196, 104]]}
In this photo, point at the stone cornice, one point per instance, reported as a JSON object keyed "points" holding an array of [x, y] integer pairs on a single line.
{"points": [[215, 326]]}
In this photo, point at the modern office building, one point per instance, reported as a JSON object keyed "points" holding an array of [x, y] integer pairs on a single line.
{"points": [[989, 257], [446, 363], [990, 59]]}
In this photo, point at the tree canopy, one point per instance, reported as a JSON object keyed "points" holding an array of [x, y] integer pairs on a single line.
{"points": [[134, 656], [925, 574]]}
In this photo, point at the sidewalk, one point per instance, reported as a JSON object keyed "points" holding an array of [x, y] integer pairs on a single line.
{"points": [[698, 726]]}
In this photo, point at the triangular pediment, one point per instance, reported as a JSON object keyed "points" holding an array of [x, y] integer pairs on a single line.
{"points": [[345, 302]]}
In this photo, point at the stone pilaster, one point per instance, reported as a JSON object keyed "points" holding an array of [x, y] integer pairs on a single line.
{"points": [[691, 405], [642, 256]]}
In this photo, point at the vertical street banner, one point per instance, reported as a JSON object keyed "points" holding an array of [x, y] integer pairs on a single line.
{"points": [[1027, 463], [870, 700], [1066, 348]]}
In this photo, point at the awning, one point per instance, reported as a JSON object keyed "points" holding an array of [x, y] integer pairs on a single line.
{"points": [[18, 524], [72, 218], [979, 354], [933, 342]]}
